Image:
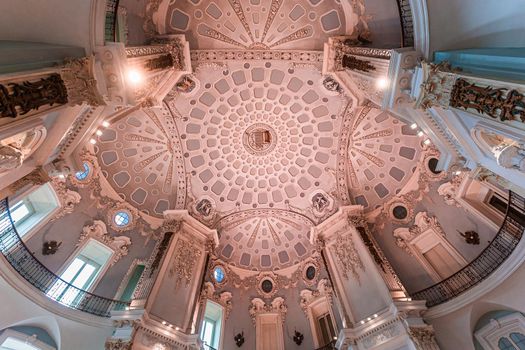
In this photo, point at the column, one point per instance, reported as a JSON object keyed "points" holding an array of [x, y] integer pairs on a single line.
{"points": [[170, 312], [371, 319], [361, 71]]}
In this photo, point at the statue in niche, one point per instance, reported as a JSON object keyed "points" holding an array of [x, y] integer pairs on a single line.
{"points": [[320, 202], [204, 207]]}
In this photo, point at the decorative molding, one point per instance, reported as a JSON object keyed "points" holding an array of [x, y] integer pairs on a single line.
{"points": [[68, 198], [79, 79], [37, 177], [99, 232], [449, 190], [184, 261], [307, 296], [347, 254], [423, 223], [224, 299], [118, 344], [312, 57], [423, 337], [258, 306]]}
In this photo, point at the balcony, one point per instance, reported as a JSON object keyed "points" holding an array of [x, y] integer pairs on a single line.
{"points": [[490, 259], [35, 273]]}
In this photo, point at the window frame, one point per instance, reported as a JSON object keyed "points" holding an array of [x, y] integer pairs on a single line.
{"points": [[490, 335], [10, 333]]}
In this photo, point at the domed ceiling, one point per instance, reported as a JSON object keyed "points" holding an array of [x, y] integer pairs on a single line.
{"points": [[260, 147], [257, 24]]}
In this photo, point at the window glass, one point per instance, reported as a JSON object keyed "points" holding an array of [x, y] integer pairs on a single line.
{"points": [[218, 274], [121, 218], [21, 211], [83, 174], [518, 339], [505, 344], [208, 329]]}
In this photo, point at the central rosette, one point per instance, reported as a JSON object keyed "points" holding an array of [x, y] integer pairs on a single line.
{"points": [[259, 139]]}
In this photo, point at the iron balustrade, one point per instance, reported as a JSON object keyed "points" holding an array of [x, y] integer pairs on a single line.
{"points": [[498, 250], [33, 271], [407, 22], [110, 33], [329, 346]]}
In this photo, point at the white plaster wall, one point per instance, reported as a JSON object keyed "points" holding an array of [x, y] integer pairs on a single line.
{"points": [[454, 331], [458, 24], [72, 22], [16, 309]]}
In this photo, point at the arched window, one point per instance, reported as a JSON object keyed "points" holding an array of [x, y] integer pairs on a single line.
{"points": [[518, 339], [121, 218], [505, 344], [84, 173]]}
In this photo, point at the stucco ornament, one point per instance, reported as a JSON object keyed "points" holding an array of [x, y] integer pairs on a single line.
{"points": [[511, 156], [423, 337], [15, 149], [423, 222], [118, 345], [347, 254], [80, 82], [68, 198], [10, 158], [184, 261], [449, 190], [224, 299], [258, 306], [307, 296], [99, 232]]}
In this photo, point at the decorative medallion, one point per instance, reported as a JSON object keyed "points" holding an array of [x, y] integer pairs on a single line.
{"points": [[259, 139]]}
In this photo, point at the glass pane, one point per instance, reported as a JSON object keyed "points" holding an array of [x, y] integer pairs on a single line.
{"points": [[207, 334], [505, 344], [518, 339], [121, 218], [20, 212], [83, 174], [72, 270], [84, 277]]}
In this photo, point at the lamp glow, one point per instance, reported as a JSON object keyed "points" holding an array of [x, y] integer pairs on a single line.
{"points": [[105, 124], [92, 141], [420, 133], [382, 83], [413, 126], [98, 132], [427, 142], [134, 77]]}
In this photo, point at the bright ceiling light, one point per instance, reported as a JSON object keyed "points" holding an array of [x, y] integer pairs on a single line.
{"points": [[420, 133], [98, 132], [413, 126], [382, 83], [105, 124], [93, 141], [427, 142], [135, 77]]}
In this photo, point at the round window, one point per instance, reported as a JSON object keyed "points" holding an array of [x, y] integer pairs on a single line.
{"points": [[400, 212], [432, 165], [121, 218], [83, 174], [310, 273], [267, 286], [218, 274]]}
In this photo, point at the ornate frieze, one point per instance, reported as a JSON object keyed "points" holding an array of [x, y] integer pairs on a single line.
{"points": [[449, 190], [20, 98], [500, 103], [37, 177], [347, 255], [315, 57], [436, 90], [224, 299], [258, 306], [354, 63], [79, 80], [424, 337], [185, 259], [99, 232], [118, 344], [17, 148]]}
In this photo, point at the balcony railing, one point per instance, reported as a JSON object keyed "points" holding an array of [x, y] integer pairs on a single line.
{"points": [[407, 22], [111, 20], [33, 271], [498, 250]]}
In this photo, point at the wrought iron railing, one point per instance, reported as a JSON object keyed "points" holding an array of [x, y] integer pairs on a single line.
{"points": [[498, 250], [33, 271], [110, 34], [407, 22], [329, 346]]}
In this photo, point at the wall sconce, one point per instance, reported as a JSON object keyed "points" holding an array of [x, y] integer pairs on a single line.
{"points": [[298, 337], [239, 339], [50, 247], [471, 237]]}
